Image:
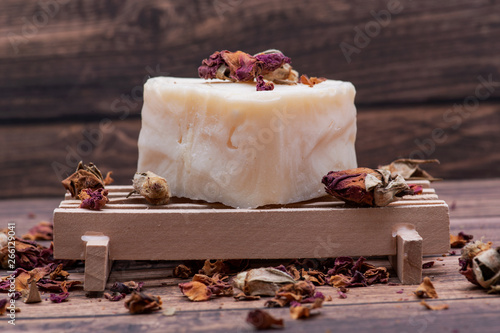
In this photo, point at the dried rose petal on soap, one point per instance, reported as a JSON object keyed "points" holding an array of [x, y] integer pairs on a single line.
{"points": [[93, 199], [311, 81], [263, 85], [459, 241]]}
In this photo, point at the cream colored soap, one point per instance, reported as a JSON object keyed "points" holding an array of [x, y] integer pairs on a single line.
{"points": [[225, 142]]}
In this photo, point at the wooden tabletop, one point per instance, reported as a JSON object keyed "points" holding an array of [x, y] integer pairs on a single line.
{"points": [[474, 209]]}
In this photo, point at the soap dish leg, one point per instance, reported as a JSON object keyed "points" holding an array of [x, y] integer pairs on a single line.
{"points": [[97, 264], [408, 259]]}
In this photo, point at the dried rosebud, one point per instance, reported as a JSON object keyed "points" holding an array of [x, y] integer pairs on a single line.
{"points": [[409, 168], [239, 66], [143, 303], [152, 187], [311, 81], [262, 320], [93, 199], [3, 305], [486, 267], [365, 187], [85, 176]]}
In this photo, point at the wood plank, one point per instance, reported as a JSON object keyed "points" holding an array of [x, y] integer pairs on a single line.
{"points": [[408, 261], [36, 158], [87, 57]]}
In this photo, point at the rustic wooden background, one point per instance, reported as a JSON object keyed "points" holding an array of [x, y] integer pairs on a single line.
{"points": [[72, 74]]}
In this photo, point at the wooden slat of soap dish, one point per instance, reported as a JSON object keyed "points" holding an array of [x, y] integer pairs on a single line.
{"points": [[318, 228]]}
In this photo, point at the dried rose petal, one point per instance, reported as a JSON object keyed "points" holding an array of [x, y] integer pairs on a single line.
{"points": [[262, 320], [62, 297], [434, 307], [426, 289], [93, 200], [42, 231], [211, 268], [3, 305], [143, 303], [409, 168], [460, 240], [59, 273], [127, 287], [115, 296], [195, 291], [182, 271], [428, 264]]}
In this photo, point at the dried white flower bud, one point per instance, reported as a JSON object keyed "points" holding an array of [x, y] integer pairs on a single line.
{"points": [[486, 267], [152, 187]]}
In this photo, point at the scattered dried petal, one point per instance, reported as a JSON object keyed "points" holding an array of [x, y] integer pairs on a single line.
{"points": [[428, 264], [434, 307], [211, 268], [195, 291], [62, 297], [3, 305], [262, 320], [409, 168], [115, 296], [460, 240], [127, 287], [93, 199], [341, 294], [42, 231], [426, 289], [143, 303], [243, 297], [182, 271], [299, 311], [59, 273]]}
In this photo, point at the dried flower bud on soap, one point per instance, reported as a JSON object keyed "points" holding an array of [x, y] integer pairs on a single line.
{"points": [[152, 187], [239, 66]]}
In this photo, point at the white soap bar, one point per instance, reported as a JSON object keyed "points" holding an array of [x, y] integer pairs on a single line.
{"points": [[225, 142]]}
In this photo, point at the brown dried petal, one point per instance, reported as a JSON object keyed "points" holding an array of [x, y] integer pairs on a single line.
{"points": [[459, 241], [93, 199], [262, 320], [182, 271], [426, 289], [243, 297], [3, 305], [143, 303], [311, 81], [298, 311], [409, 168], [195, 291], [211, 268], [434, 307], [59, 273], [42, 231]]}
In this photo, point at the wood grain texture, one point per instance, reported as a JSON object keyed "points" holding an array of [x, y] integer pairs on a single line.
{"points": [[380, 308], [78, 59], [35, 158]]}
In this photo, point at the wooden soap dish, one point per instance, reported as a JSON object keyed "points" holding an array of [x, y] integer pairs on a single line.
{"points": [[130, 229]]}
